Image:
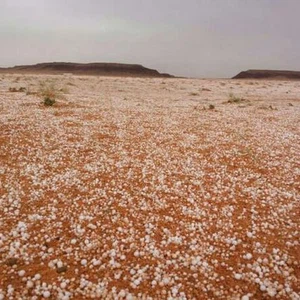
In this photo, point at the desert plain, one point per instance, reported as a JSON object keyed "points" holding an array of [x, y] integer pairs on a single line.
{"points": [[149, 188]]}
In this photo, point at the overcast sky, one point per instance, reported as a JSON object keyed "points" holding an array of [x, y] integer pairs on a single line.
{"points": [[199, 38]]}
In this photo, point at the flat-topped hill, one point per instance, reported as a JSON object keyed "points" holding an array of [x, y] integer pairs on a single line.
{"points": [[104, 69], [268, 74]]}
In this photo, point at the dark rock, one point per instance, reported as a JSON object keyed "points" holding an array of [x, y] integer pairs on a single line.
{"points": [[11, 261], [62, 269]]}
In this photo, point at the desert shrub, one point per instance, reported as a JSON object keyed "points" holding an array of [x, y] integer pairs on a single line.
{"points": [[15, 90], [50, 93], [234, 99], [48, 90], [49, 101], [211, 106]]}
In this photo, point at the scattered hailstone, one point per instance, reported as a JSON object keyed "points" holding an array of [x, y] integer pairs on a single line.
{"points": [[59, 264], [46, 294], [245, 297], [137, 282], [83, 262], [96, 262], [249, 234], [92, 226], [248, 256], [63, 285], [271, 292], [262, 287], [237, 276], [122, 294], [21, 273]]}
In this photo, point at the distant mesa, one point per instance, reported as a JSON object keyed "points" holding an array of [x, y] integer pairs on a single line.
{"points": [[268, 74], [101, 69]]}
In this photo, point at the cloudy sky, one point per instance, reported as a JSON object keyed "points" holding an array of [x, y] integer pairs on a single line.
{"points": [[199, 38]]}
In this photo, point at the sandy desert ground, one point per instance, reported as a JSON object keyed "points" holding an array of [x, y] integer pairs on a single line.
{"points": [[132, 188]]}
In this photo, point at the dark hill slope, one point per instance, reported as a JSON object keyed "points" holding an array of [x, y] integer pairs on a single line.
{"points": [[105, 69], [268, 74]]}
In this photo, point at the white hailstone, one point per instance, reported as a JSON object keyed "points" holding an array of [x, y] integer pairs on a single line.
{"points": [[257, 280], [262, 287], [265, 261], [46, 294], [132, 271], [237, 276], [248, 256], [137, 281], [123, 257], [63, 285], [271, 292], [92, 226], [122, 294], [10, 289], [21, 273], [60, 264], [37, 276], [249, 234], [1, 296], [83, 262], [29, 284], [73, 241], [96, 262], [129, 297], [245, 297], [136, 253]]}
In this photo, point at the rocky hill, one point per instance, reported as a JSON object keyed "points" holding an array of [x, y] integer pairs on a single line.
{"points": [[104, 69], [268, 74]]}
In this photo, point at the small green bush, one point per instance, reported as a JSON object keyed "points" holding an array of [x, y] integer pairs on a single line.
{"points": [[49, 101]]}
